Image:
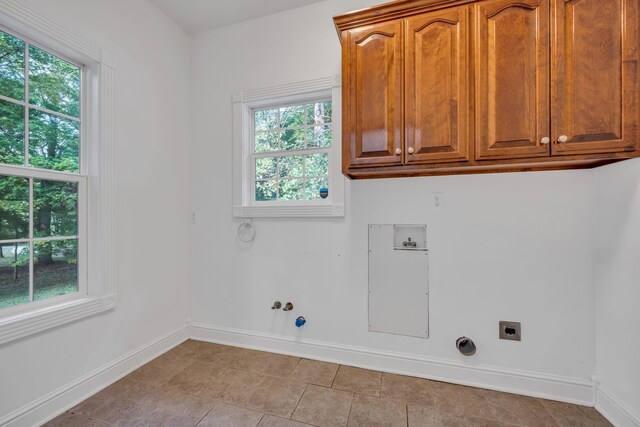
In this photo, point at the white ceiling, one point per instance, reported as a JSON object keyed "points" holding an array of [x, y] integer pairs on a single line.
{"points": [[195, 16]]}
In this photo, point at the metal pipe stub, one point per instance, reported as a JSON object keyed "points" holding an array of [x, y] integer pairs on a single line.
{"points": [[466, 346]]}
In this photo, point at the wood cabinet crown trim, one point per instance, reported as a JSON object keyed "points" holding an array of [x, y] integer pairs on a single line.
{"points": [[392, 10]]}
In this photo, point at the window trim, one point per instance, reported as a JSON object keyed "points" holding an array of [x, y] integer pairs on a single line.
{"points": [[244, 102], [96, 163]]}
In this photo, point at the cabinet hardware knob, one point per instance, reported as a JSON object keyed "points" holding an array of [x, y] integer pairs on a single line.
{"points": [[545, 140], [410, 150], [563, 138], [398, 151]]}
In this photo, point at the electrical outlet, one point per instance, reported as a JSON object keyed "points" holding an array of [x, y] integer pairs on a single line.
{"points": [[438, 199], [510, 331]]}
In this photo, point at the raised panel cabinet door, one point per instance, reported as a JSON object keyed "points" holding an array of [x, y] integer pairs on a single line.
{"points": [[437, 87], [511, 40], [594, 76], [372, 86]]}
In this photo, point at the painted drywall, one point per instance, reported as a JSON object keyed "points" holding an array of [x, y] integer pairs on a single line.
{"points": [[512, 246], [151, 166], [502, 247], [617, 286]]}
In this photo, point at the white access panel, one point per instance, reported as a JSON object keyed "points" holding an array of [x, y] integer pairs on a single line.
{"points": [[398, 280]]}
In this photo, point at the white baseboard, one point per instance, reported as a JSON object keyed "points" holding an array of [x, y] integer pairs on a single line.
{"points": [[566, 389], [49, 406], [572, 390], [615, 410]]}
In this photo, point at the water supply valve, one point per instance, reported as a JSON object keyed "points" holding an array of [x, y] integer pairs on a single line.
{"points": [[300, 321], [288, 307], [409, 244], [276, 305]]}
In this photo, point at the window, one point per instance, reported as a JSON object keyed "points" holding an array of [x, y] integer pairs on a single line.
{"points": [[290, 151], [286, 161], [56, 179], [41, 187]]}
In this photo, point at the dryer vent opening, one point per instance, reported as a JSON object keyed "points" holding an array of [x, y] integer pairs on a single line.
{"points": [[465, 346]]}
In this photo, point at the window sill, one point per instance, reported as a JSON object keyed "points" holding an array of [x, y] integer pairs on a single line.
{"points": [[282, 211], [32, 322]]}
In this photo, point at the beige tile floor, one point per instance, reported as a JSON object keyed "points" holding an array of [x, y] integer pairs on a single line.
{"points": [[206, 384]]}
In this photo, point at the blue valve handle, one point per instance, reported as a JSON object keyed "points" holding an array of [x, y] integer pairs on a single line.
{"points": [[300, 321]]}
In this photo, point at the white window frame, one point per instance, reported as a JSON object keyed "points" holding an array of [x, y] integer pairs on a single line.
{"points": [[95, 193], [244, 104]]}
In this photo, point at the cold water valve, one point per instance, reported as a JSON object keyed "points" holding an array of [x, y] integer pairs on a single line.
{"points": [[300, 321]]}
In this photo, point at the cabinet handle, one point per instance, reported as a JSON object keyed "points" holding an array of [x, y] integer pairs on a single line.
{"points": [[563, 138], [410, 150], [398, 151], [545, 140]]}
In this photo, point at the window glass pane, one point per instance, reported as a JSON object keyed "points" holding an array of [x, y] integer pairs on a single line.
{"points": [[319, 113], [11, 66], [291, 166], [55, 268], [310, 115], [14, 274], [265, 120], [291, 189], [55, 208], [53, 83], [292, 116], [11, 133], [53, 142], [300, 127], [317, 164], [326, 111], [267, 141], [292, 139], [319, 136], [14, 208], [266, 168], [266, 190], [312, 187]]}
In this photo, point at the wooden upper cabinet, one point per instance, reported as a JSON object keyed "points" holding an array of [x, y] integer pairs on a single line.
{"points": [[437, 86], [595, 76], [512, 79], [434, 87], [373, 110]]}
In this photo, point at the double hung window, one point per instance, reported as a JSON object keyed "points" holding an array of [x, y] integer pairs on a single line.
{"points": [[42, 184], [287, 151], [291, 146], [57, 204]]}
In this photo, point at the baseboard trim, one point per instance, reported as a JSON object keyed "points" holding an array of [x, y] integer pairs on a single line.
{"points": [[615, 410], [49, 406], [565, 389], [546, 386]]}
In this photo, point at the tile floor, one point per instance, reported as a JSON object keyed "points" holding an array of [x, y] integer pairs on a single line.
{"points": [[207, 384]]}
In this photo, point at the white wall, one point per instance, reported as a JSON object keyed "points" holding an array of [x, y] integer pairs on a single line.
{"points": [[617, 289], [152, 57], [503, 247]]}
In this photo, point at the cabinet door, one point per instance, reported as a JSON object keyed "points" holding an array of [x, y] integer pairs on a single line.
{"points": [[512, 78], [595, 76], [437, 87], [372, 86]]}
